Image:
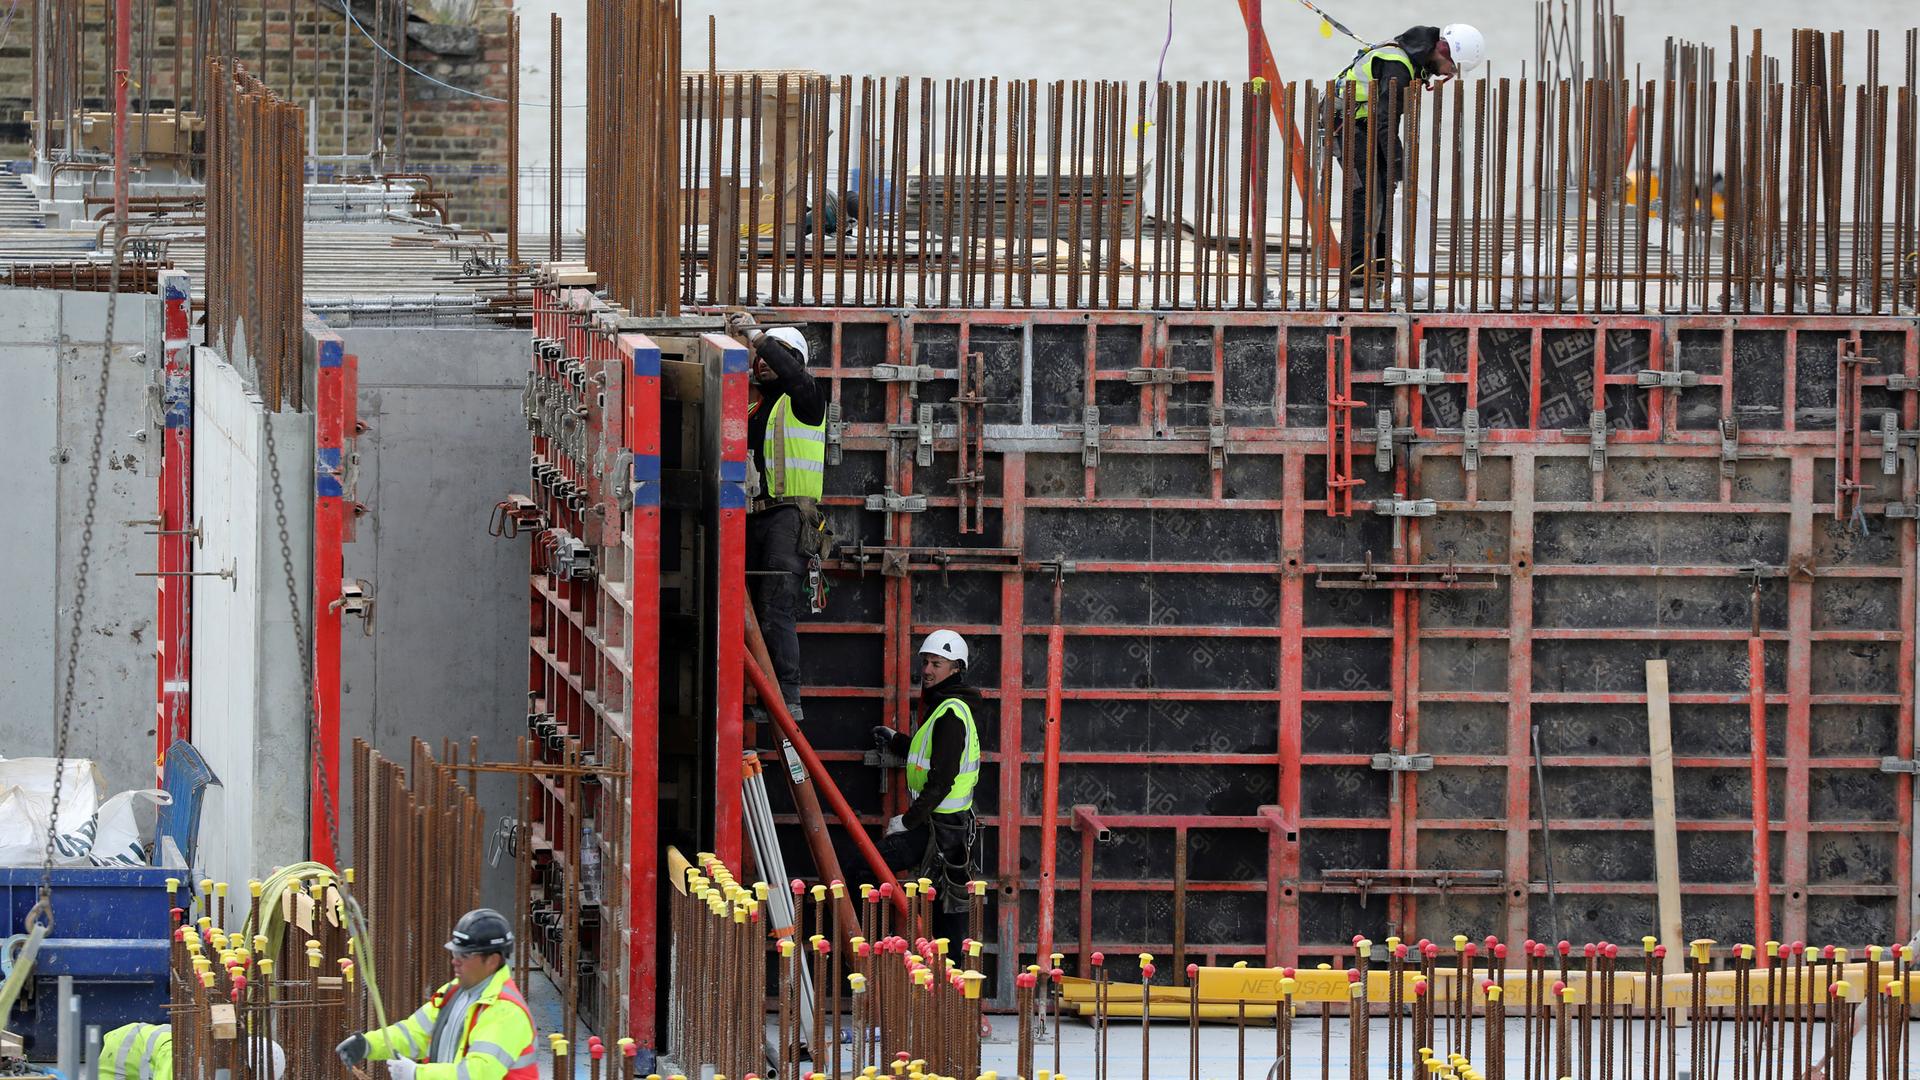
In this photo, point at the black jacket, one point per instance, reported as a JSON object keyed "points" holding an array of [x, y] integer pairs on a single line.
{"points": [[1389, 93], [949, 746], [793, 380]]}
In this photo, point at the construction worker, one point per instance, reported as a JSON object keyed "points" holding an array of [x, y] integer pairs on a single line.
{"points": [[145, 1052], [1383, 73], [476, 1027], [786, 534], [934, 837]]}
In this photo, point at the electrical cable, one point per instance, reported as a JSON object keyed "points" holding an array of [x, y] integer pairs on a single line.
{"points": [[1329, 20], [347, 9]]}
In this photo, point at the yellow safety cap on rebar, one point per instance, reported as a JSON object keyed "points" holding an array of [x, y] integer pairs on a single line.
{"points": [[1773, 948], [870, 1071], [1363, 947], [973, 948], [1324, 967], [1701, 948], [1146, 958], [838, 889], [866, 890], [220, 889], [1841, 989], [857, 982], [1898, 988], [173, 885], [1459, 942], [1494, 992], [786, 946], [201, 963], [926, 883], [941, 945], [1393, 942], [1425, 1052], [977, 887], [1649, 943], [974, 980], [1874, 952], [205, 923], [760, 891], [624, 1043], [317, 889], [1286, 988], [1356, 990], [348, 873], [266, 967], [740, 914], [899, 1067], [206, 886], [911, 888], [206, 979], [1745, 952], [819, 893], [259, 943], [922, 976], [1839, 956]]}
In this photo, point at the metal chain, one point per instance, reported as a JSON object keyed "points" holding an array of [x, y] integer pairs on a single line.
{"points": [[43, 907]]}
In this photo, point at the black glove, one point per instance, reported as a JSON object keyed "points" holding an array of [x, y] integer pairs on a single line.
{"points": [[883, 738], [352, 1050]]}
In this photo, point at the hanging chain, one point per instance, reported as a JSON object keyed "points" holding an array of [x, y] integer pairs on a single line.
{"points": [[42, 913]]}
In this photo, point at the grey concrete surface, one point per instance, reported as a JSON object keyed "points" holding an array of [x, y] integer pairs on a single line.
{"points": [[447, 657], [50, 350]]}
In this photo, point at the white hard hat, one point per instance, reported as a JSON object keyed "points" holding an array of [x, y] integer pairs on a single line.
{"points": [[945, 643], [791, 336], [1466, 45]]}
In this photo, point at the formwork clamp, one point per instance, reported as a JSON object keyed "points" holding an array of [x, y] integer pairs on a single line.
{"points": [[836, 432], [1385, 435], [1907, 383], [1406, 508], [1470, 440], [890, 502], [1910, 766], [906, 373], [1217, 437], [1156, 376], [1403, 762], [920, 432], [1089, 433], [1413, 376], [549, 348], [1729, 445], [1597, 441], [1667, 380]]}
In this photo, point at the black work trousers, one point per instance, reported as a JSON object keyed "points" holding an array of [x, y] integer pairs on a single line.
{"points": [[1366, 218], [907, 854], [777, 578]]}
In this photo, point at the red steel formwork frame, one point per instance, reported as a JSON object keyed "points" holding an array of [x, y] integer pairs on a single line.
{"points": [[597, 660], [173, 703], [1552, 558], [336, 420]]}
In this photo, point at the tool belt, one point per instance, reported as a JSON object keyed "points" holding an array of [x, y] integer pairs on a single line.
{"points": [[816, 535], [957, 832]]}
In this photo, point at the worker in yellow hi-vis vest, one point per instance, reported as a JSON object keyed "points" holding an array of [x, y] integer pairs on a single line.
{"points": [[476, 1027], [145, 1052], [934, 837], [1370, 153], [786, 475]]}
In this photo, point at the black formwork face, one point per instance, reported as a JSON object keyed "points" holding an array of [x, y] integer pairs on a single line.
{"points": [[1318, 580]]}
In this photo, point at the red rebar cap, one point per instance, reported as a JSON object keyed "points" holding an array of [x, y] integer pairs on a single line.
{"points": [[1193, 971], [930, 892], [1469, 949], [886, 889], [1565, 947], [1491, 942], [1559, 988], [1098, 959], [1431, 950], [1659, 952], [630, 1049], [1058, 975], [1589, 950], [1486, 985], [1528, 944], [1799, 946], [799, 887], [1422, 944], [1419, 987], [1499, 952], [1353, 975], [1613, 951], [1539, 950], [1146, 971], [1357, 939], [1286, 973], [1826, 952], [1400, 951]]}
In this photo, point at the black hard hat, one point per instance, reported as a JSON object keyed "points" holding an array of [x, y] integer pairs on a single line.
{"points": [[481, 931]]}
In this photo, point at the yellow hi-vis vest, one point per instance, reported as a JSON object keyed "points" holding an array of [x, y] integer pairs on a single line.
{"points": [[795, 455], [496, 1042], [1360, 73], [920, 759], [137, 1052]]}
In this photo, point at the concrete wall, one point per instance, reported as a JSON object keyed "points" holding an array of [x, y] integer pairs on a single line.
{"points": [[50, 350], [249, 715], [447, 658]]}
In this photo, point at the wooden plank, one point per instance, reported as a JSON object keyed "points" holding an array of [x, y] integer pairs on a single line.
{"points": [[1666, 835]]}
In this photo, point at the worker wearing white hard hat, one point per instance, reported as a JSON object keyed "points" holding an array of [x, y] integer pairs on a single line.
{"points": [[934, 837], [1363, 125], [786, 476]]}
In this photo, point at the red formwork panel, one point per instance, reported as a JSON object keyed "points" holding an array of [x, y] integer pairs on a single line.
{"points": [[1287, 718], [335, 422], [173, 644]]}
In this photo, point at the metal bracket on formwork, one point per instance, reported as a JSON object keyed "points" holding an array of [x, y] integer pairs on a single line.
{"points": [[911, 374], [1667, 380], [1406, 508], [1383, 441], [1597, 439], [1089, 433], [1903, 511], [549, 348], [892, 503], [1156, 376], [1889, 444], [1470, 440], [1413, 376], [1403, 762], [1729, 445], [1903, 383], [1217, 437], [1900, 765], [836, 431], [921, 433]]}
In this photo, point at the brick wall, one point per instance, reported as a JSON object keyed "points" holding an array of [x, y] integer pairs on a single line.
{"points": [[455, 138]]}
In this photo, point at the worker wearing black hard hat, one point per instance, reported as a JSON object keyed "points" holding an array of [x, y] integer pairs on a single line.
{"points": [[476, 1027]]}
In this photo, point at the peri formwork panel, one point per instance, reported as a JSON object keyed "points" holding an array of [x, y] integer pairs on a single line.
{"points": [[1288, 543]]}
